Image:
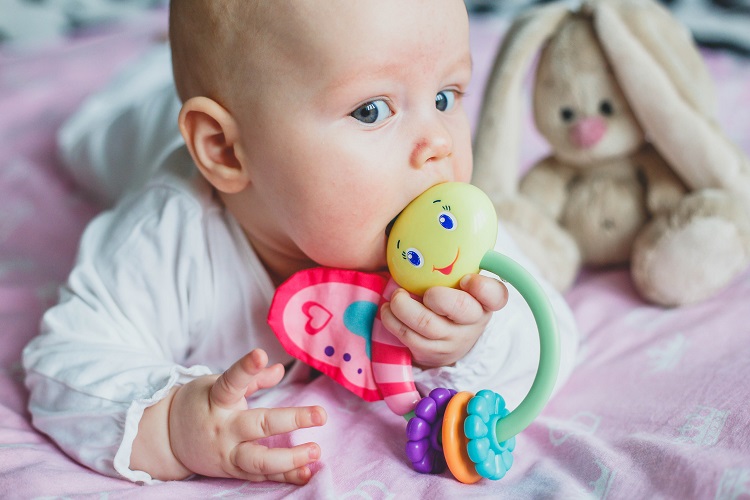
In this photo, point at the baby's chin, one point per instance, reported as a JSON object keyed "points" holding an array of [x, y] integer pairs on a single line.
{"points": [[369, 257], [373, 263]]}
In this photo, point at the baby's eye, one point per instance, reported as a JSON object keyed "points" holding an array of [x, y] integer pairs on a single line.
{"points": [[447, 220], [372, 112], [445, 100], [414, 257]]}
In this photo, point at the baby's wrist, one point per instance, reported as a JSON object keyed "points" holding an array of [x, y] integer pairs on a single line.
{"points": [[176, 465], [152, 450]]}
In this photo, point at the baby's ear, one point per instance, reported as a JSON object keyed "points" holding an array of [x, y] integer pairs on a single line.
{"points": [[211, 134]]}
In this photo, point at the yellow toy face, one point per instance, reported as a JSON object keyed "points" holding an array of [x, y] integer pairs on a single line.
{"points": [[441, 236]]}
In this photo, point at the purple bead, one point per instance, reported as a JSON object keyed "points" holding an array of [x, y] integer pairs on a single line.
{"points": [[424, 432], [427, 409], [415, 450], [426, 464], [436, 435], [440, 464], [441, 397], [417, 429]]}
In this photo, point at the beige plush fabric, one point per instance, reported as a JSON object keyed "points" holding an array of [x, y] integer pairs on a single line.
{"points": [[639, 171]]}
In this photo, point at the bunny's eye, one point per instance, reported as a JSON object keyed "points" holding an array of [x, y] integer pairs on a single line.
{"points": [[567, 114], [605, 108]]}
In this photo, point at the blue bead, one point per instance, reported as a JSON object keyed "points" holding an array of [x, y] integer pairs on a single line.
{"points": [[474, 427], [479, 406], [507, 459], [492, 459], [478, 449]]}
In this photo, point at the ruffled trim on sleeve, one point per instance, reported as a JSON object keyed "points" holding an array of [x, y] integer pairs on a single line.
{"points": [[178, 376]]}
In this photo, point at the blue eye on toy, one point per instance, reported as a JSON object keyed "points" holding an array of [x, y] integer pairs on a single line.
{"points": [[414, 257], [447, 220]]}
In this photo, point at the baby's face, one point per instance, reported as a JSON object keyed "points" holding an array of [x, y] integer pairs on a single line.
{"points": [[361, 112]]}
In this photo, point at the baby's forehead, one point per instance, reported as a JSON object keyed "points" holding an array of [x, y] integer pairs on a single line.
{"points": [[264, 31], [264, 22], [256, 44], [310, 24]]}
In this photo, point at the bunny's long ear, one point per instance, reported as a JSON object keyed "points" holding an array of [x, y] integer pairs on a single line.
{"points": [[497, 142], [667, 86], [670, 44]]}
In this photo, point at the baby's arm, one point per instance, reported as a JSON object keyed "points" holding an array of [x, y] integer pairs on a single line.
{"points": [[205, 427], [138, 306], [123, 134]]}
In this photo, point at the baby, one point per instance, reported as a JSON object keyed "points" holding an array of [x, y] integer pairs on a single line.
{"points": [[312, 125]]}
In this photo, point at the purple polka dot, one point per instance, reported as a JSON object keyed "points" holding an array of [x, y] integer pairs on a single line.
{"points": [[329, 351], [359, 371], [347, 357]]}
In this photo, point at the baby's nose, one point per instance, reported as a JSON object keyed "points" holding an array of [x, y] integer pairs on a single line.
{"points": [[436, 143]]}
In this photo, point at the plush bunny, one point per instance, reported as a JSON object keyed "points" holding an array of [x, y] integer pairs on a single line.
{"points": [[639, 172]]}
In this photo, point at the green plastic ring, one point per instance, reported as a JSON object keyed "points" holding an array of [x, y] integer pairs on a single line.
{"points": [[549, 343]]}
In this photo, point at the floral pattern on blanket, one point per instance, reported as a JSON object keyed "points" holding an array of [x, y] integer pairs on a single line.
{"points": [[656, 408]]}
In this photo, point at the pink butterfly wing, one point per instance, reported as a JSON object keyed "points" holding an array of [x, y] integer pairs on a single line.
{"points": [[321, 317]]}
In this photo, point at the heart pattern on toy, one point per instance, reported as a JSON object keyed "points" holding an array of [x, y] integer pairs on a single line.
{"points": [[318, 317]]}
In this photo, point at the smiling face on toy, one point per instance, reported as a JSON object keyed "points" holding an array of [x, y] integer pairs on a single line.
{"points": [[441, 236]]}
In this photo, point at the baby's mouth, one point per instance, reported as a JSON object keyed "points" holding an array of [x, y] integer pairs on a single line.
{"points": [[449, 268]]}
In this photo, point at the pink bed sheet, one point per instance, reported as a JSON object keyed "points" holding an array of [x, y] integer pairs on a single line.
{"points": [[657, 407]]}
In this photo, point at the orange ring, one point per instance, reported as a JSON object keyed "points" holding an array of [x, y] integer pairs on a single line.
{"points": [[455, 441]]}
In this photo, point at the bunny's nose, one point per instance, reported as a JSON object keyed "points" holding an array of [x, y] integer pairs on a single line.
{"points": [[587, 132]]}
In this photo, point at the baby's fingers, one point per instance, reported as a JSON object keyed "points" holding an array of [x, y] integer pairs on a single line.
{"points": [[491, 293], [410, 320], [260, 423], [244, 378], [457, 305], [297, 476], [288, 465]]}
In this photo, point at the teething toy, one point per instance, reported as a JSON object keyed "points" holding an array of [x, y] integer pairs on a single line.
{"points": [[329, 318]]}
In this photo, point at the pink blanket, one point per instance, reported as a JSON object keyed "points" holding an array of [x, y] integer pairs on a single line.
{"points": [[657, 407]]}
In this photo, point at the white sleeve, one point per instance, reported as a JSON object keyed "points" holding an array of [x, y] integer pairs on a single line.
{"points": [[123, 134], [506, 356], [113, 344]]}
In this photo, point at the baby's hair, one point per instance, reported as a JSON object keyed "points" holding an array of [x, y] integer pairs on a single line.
{"points": [[207, 38]]}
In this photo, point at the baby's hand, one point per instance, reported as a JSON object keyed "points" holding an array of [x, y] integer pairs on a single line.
{"points": [[212, 432], [447, 323]]}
